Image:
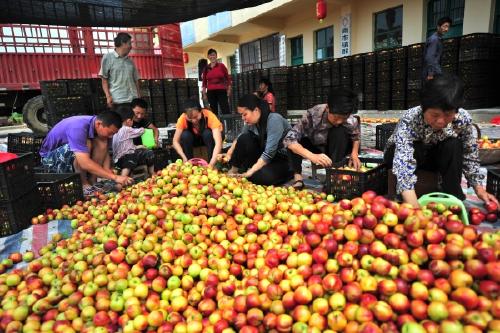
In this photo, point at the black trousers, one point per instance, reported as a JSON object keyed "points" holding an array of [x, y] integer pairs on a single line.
{"points": [[190, 140], [138, 157], [218, 101], [248, 151], [339, 145], [445, 157]]}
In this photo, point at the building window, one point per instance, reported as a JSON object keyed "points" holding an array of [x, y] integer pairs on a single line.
{"points": [[297, 49], [388, 28], [261, 53], [324, 44], [440, 8]]}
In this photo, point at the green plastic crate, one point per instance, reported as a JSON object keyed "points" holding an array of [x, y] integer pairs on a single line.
{"points": [[446, 199]]}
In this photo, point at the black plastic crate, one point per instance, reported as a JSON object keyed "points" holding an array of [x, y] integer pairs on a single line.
{"points": [[169, 86], [398, 104], [383, 55], [161, 158], [96, 86], [57, 88], [15, 215], [166, 142], [160, 123], [399, 74], [493, 182], [415, 62], [416, 50], [486, 53], [351, 183], [400, 53], [157, 104], [478, 40], [233, 124], [335, 72], [370, 61], [156, 87], [382, 133], [25, 142], [144, 88], [159, 118], [16, 176], [99, 104], [58, 189], [79, 87], [68, 105], [370, 104], [412, 98], [383, 99]]}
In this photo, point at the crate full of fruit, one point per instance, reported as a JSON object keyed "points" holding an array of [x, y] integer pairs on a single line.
{"points": [[343, 181], [489, 150]]}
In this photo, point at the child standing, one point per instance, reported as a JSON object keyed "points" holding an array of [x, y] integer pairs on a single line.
{"points": [[126, 155]]}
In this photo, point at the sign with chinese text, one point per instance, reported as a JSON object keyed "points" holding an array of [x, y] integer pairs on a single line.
{"points": [[345, 35]]}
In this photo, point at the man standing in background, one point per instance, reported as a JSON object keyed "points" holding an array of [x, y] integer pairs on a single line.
{"points": [[434, 49], [120, 79]]}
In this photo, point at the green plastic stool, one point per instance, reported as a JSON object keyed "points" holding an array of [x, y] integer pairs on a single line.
{"points": [[148, 138], [446, 199]]}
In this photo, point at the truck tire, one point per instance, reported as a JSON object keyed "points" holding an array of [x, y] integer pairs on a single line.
{"points": [[34, 115]]}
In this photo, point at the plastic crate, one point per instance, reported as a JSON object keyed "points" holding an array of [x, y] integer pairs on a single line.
{"points": [[493, 182], [54, 88], [156, 87], [96, 86], [144, 88], [79, 87], [68, 105], [416, 50], [58, 189], [233, 124], [15, 215], [16, 176], [161, 158], [25, 142], [99, 104], [382, 133], [446, 199], [350, 183]]}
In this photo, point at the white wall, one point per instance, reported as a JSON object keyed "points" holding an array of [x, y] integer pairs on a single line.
{"points": [[478, 16]]}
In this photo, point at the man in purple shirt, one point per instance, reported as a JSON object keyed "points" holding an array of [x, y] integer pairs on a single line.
{"points": [[80, 144]]}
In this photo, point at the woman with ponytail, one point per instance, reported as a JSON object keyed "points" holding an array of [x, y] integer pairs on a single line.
{"points": [[259, 149]]}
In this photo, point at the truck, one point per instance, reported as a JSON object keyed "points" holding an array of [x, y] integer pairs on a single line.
{"points": [[30, 53]]}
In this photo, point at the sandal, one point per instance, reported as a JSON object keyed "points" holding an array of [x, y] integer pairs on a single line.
{"points": [[89, 190], [298, 184]]}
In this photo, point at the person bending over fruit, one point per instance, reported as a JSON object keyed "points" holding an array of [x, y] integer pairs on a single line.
{"points": [[436, 136], [326, 133], [259, 149], [197, 127]]}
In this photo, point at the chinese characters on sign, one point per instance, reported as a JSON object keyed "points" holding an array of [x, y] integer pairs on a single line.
{"points": [[345, 35]]}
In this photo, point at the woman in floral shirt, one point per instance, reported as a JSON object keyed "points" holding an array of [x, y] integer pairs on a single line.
{"points": [[436, 136], [326, 133]]}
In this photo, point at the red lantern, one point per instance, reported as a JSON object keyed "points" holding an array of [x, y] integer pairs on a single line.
{"points": [[185, 57], [320, 10]]}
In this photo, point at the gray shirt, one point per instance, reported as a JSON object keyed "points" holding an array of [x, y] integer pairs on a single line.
{"points": [[277, 128], [122, 77], [432, 55]]}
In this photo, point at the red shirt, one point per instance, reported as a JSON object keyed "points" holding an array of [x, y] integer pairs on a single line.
{"points": [[269, 98], [216, 77]]}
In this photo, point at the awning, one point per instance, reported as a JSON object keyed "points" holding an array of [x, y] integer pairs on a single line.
{"points": [[114, 13]]}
